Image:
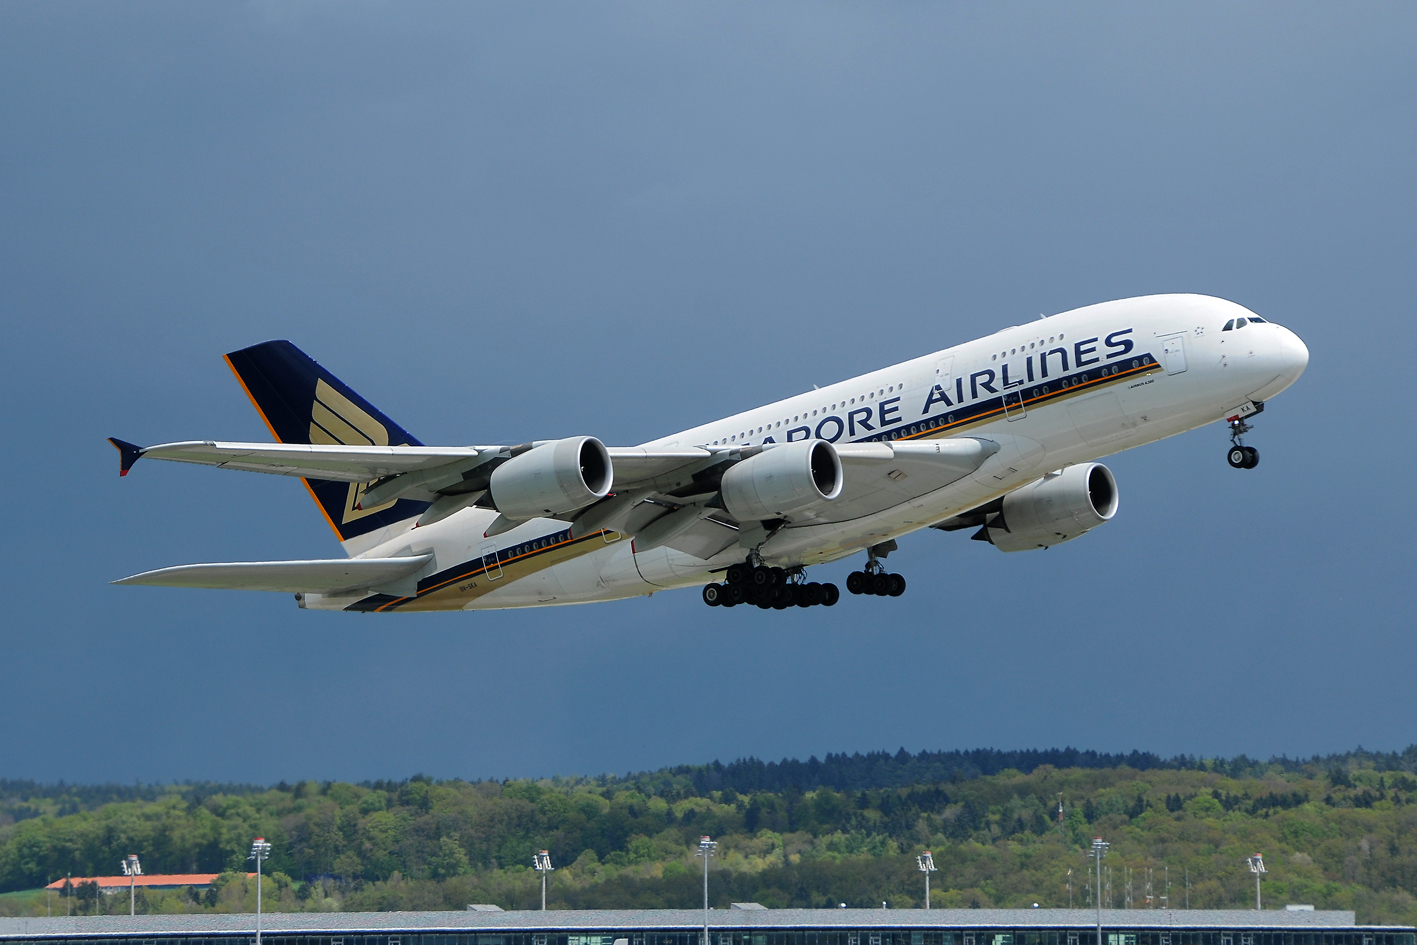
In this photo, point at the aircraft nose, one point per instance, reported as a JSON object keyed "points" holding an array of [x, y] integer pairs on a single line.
{"points": [[1293, 354]]}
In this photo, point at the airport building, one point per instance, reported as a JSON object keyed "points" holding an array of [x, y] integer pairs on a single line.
{"points": [[745, 924]]}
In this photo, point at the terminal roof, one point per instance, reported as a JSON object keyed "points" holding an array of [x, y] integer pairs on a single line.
{"points": [[610, 920]]}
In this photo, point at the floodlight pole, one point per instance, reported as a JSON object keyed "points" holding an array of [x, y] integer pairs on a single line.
{"points": [[132, 870], [1257, 867], [706, 848], [260, 850], [1099, 850], [926, 863], [542, 863]]}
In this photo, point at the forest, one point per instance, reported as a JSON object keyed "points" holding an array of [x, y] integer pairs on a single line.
{"points": [[1006, 829]]}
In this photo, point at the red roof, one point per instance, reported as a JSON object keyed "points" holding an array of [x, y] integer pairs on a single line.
{"points": [[156, 879]]}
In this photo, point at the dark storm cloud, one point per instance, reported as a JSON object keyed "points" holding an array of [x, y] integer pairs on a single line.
{"points": [[517, 221]]}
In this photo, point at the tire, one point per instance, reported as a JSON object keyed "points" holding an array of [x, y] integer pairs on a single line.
{"points": [[779, 576], [1252, 458], [713, 594], [783, 596], [897, 585], [762, 596], [881, 584], [812, 594], [762, 577], [737, 594], [830, 595], [1237, 457], [736, 574], [856, 582]]}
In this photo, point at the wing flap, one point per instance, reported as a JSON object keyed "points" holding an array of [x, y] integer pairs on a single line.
{"points": [[314, 576]]}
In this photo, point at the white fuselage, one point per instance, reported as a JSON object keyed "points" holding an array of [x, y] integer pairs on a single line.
{"points": [[1063, 390]]}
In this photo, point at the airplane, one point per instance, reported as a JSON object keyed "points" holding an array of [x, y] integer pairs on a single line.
{"points": [[999, 435]]}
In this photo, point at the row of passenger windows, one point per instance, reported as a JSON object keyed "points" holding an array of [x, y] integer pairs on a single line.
{"points": [[869, 395], [1024, 348]]}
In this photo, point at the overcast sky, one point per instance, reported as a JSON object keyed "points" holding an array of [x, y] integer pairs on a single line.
{"points": [[517, 221]]}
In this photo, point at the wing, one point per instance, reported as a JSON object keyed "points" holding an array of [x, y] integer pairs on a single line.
{"points": [[633, 465], [682, 509], [449, 477], [318, 576], [308, 461]]}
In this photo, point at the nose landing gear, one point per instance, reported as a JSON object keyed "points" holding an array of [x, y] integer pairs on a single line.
{"points": [[1240, 456]]}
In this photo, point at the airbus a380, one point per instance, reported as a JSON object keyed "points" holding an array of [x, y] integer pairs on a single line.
{"points": [[999, 435]]}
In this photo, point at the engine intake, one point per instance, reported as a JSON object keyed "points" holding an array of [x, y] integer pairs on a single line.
{"points": [[553, 478], [1057, 508], [782, 480]]}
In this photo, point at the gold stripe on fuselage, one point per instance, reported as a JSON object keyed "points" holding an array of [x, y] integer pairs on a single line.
{"points": [[1081, 387], [456, 592]]}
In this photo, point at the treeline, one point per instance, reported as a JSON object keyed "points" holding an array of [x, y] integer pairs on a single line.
{"points": [[1337, 831]]}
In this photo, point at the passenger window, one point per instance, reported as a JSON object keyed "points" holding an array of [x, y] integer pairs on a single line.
{"points": [[1229, 326], [1241, 323]]}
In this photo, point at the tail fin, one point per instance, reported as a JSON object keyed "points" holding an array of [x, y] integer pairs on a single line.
{"points": [[302, 402]]}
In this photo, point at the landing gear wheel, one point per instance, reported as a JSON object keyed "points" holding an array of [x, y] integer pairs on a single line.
{"points": [[881, 584], [897, 585], [812, 595], [831, 595], [1237, 457], [783, 596], [762, 577], [856, 582], [1252, 457], [713, 594], [737, 594], [736, 574]]}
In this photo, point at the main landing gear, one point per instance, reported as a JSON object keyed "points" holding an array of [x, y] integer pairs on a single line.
{"points": [[1240, 456], [769, 589], [875, 580]]}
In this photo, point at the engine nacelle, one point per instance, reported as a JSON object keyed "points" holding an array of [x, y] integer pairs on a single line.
{"points": [[1059, 507], [781, 480], [553, 478]]}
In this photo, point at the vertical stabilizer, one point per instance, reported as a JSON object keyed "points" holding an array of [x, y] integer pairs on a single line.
{"points": [[302, 402]]}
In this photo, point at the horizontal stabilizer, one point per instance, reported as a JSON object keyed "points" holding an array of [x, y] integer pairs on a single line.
{"points": [[316, 577]]}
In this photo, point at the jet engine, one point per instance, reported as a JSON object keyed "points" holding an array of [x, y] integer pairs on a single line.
{"points": [[552, 478], [1057, 508], [781, 480]]}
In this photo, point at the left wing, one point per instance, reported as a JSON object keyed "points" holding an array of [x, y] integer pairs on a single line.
{"points": [[308, 461]]}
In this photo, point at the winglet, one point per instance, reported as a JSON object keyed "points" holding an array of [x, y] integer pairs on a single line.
{"points": [[128, 454]]}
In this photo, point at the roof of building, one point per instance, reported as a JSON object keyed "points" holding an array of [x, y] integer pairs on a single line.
{"points": [[276, 923], [155, 879]]}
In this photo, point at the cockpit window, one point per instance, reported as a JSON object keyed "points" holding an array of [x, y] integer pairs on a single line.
{"points": [[1241, 323], [1256, 318], [1229, 326]]}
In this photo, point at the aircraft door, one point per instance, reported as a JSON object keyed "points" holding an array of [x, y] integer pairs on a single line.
{"points": [[944, 374], [1173, 350], [1013, 404], [491, 565]]}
